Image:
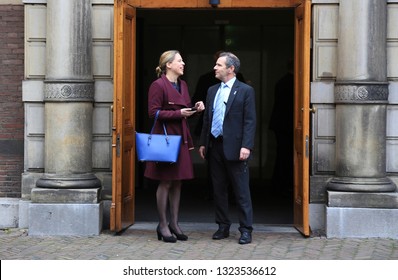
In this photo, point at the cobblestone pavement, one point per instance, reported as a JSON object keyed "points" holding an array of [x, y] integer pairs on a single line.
{"points": [[139, 242]]}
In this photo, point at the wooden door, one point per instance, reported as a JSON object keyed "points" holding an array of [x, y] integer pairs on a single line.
{"points": [[123, 123], [301, 117]]}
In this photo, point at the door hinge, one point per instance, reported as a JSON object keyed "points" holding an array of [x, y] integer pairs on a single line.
{"points": [[118, 145], [307, 146]]}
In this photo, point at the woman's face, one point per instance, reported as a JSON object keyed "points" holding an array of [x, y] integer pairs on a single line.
{"points": [[177, 65]]}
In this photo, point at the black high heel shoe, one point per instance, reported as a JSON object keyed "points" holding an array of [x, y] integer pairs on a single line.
{"points": [[180, 236], [170, 239]]}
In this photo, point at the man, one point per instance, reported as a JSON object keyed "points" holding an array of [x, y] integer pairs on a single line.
{"points": [[226, 141], [205, 81]]}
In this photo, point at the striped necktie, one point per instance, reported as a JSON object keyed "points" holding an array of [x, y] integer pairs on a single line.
{"points": [[219, 111]]}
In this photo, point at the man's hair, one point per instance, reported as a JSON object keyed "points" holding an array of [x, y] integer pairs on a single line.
{"points": [[231, 60]]}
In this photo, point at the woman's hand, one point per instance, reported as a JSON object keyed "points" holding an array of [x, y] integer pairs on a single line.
{"points": [[187, 112]]}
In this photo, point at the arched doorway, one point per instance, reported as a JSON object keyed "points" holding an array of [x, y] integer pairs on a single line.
{"points": [[245, 32]]}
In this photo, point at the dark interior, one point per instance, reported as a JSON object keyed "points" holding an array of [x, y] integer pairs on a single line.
{"points": [[264, 42]]}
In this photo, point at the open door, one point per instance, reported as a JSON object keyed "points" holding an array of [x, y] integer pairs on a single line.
{"points": [[301, 116], [123, 124], [123, 145]]}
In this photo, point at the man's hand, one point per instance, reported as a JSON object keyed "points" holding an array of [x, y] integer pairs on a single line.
{"points": [[202, 151], [244, 154]]}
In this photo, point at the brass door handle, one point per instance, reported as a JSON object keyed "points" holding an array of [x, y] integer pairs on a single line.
{"points": [[313, 109]]}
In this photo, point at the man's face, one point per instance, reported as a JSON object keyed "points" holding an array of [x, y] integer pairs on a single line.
{"points": [[221, 70]]}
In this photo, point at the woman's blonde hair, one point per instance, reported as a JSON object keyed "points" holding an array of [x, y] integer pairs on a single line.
{"points": [[166, 57]]}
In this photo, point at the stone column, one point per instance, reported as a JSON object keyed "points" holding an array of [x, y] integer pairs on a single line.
{"points": [[66, 199], [361, 199], [361, 96]]}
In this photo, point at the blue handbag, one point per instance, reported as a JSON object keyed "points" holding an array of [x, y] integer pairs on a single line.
{"points": [[157, 147]]}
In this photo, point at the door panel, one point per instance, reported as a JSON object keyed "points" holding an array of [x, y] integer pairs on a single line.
{"points": [[301, 117], [123, 141]]}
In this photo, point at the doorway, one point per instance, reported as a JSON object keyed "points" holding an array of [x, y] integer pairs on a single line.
{"points": [[124, 165], [264, 41]]}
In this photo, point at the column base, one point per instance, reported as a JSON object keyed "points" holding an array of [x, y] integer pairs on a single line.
{"points": [[349, 184], [362, 215], [69, 181], [9, 212], [363, 199], [344, 222], [46, 219], [80, 196]]}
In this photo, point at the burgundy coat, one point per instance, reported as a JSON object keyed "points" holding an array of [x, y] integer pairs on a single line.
{"points": [[164, 97]]}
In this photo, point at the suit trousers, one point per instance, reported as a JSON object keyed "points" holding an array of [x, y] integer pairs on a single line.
{"points": [[223, 173]]}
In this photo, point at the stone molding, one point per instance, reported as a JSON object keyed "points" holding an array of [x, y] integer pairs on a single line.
{"points": [[360, 92], [66, 91]]}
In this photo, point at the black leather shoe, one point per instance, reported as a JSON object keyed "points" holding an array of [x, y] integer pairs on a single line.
{"points": [[169, 239], [180, 236], [245, 238], [221, 233]]}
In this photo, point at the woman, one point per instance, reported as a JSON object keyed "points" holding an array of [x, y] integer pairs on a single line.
{"points": [[169, 95]]}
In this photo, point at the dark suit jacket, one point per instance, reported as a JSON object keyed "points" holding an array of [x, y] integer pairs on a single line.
{"points": [[239, 125]]}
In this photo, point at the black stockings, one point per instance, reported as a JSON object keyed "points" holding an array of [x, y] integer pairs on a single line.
{"points": [[168, 192]]}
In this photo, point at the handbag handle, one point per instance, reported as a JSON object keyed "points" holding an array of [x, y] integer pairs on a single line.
{"points": [[164, 129]]}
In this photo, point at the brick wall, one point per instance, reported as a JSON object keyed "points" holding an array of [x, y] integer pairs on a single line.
{"points": [[11, 106]]}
